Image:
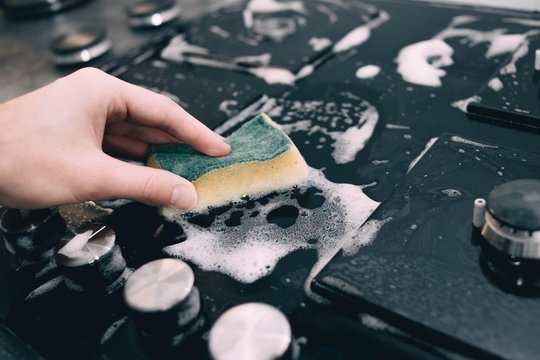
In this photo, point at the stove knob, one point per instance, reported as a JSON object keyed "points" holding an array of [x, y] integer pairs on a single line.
{"points": [[152, 13], [165, 302], [251, 331], [80, 46], [90, 260], [20, 9], [512, 219], [31, 234]]}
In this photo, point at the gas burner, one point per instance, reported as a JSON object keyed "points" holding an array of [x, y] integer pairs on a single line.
{"points": [[152, 13], [30, 235], [18, 9], [509, 223], [80, 47]]}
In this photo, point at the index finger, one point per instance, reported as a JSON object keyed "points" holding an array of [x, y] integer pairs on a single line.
{"points": [[147, 108]]}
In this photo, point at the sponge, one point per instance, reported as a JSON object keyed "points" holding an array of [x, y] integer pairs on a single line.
{"points": [[262, 159]]}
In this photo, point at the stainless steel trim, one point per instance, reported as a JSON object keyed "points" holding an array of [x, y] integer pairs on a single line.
{"points": [[519, 243], [155, 19], [85, 55]]}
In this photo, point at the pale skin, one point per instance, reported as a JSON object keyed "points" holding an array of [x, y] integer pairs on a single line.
{"points": [[56, 144]]}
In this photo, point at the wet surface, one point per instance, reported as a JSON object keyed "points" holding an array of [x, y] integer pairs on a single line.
{"points": [[345, 97]]}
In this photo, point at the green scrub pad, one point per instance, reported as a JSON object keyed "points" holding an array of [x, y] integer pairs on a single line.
{"points": [[262, 159]]}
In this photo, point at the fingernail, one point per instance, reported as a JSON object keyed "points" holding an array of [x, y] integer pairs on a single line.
{"points": [[183, 197]]}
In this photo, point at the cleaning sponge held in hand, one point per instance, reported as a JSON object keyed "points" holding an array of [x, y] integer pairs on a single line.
{"points": [[262, 159]]}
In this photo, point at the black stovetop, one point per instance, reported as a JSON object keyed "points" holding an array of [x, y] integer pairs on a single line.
{"points": [[425, 282]]}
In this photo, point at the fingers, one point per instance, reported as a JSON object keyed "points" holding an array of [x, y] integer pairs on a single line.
{"points": [[141, 133], [147, 108], [119, 179], [125, 147]]}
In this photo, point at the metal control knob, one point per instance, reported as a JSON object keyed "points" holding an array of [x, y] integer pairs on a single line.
{"points": [[512, 219], [165, 303], [31, 234], [35, 8], [253, 331], [90, 260], [509, 224], [80, 46], [152, 13]]}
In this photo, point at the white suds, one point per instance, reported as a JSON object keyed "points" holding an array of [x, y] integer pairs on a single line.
{"points": [[263, 104], [76, 244], [274, 75], [428, 146], [319, 44], [350, 142], [111, 330], [462, 104], [495, 84], [459, 139], [353, 39], [251, 251], [44, 288], [220, 32], [229, 107], [416, 62], [360, 122], [503, 44], [374, 323], [368, 71], [365, 236], [360, 34], [397, 127]]}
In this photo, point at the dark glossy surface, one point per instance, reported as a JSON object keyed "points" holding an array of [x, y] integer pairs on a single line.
{"points": [[422, 269], [408, 116]]}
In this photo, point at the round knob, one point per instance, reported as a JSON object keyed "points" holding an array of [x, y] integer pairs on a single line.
{"points": [[35, 8], [90, 259], [164, 301], [250, 331], [30, 234], [152, 13], [80, 47], [512, 220]]}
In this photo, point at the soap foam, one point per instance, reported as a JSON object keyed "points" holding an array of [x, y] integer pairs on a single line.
{"points": [[415, 63], [368, 71], [462, 104], [76, 244], [252, 250], [495, 84], [367, 233], [428, 146], [319, 44]]}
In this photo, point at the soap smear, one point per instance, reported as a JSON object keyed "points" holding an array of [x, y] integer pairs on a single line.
{"points": [[420, 63], [321, 215], [368, 71], [495, 84]]}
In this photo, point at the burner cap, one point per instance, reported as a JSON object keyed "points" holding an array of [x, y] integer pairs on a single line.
{"points": [[80, 46], [89, 244], [159, 285], [34, 8], [250, 331], [152, 13], [516, 204]]}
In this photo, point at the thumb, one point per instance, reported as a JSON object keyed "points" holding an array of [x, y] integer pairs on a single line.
{"points": [[145, 184]]}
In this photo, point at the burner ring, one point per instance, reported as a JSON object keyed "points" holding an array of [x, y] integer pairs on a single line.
{"points": [[80, 46], [152, 13]]}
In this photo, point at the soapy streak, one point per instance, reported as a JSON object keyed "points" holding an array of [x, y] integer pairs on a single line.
{"points": [[252, 250], [180, 51], [416, 62]]}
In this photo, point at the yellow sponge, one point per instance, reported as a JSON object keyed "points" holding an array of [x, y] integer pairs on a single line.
{"points": [[262, 159]]}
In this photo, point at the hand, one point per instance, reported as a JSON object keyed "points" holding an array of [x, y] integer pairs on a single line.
{"points": [[52, 144]]}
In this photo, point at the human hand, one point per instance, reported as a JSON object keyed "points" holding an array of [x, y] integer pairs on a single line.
{"points": [[52, 144]]}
